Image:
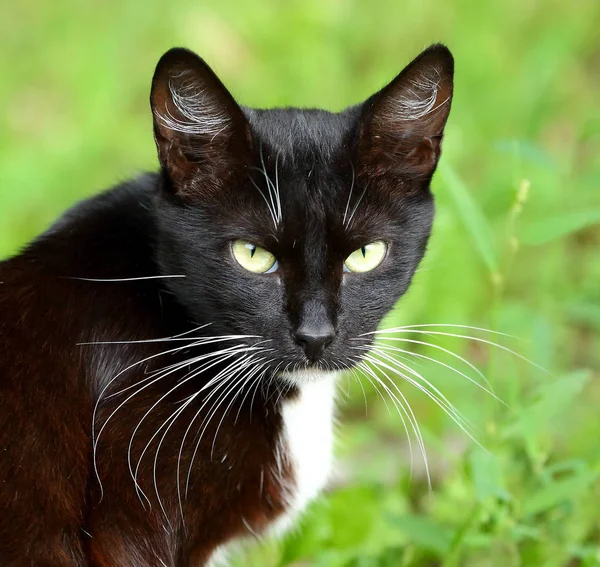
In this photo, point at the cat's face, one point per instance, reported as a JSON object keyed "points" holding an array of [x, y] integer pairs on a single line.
{"points": [[301, 228]]}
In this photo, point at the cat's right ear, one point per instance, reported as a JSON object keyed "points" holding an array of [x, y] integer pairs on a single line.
{"points": [[201, 133], [402, 125]]}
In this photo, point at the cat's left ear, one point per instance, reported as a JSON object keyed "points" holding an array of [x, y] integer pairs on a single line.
{"points": [[402, 125], [200, 131]]}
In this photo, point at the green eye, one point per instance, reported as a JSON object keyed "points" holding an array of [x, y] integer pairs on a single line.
{"points": [[366, 258], [253, 258]]}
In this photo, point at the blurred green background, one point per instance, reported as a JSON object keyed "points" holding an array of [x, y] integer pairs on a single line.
{"points": [[515, 247]]}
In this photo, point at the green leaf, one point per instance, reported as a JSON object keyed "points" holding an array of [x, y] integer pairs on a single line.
{"points": [[554, 399], [584, 312], [425, 532], [553, 228], [471, 216], [487, 476], [557, 492]]}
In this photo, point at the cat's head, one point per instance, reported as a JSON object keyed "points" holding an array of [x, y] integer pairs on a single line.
{"points": [[301, 227]]}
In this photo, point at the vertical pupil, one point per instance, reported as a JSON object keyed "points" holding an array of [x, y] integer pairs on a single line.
{"points": [[252, 251], [364, 251]]}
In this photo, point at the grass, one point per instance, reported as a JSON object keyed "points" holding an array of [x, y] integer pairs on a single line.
{"points": [[515, 246]]}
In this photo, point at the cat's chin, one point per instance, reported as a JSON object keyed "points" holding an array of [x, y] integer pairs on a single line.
{"points": [[308, 376]]}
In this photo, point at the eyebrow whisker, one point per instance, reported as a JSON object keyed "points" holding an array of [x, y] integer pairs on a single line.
{"points": [[350, 195]]}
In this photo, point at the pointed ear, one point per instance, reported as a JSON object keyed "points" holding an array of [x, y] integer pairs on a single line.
{"points": [[199, 129], [403, 124]]}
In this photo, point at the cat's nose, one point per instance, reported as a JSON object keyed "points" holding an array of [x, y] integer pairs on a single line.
{"points": [[315, 338]]}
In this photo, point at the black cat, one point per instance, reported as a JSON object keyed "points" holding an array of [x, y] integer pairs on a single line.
{"points": [[169, 348]]}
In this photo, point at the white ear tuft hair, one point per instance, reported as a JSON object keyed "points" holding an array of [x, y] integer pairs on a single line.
{"points": [[420, 93], [420, 98], [195, 111], [403, 124], [199, 128]]}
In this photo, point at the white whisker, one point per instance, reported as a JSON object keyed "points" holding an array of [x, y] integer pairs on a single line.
{"points": [[448, 352], [96, 436], [354, 373], [349, 196], [265, 368], [482, 329], [467, 337], [242, 364], [222, 357], [403, 411], [186, 362], [273, 191], [201, 340], [356, 206], [427, 387], [434, 394], [238, 386], [124, 279], [271, 212], [277, 193], [436, 361]]}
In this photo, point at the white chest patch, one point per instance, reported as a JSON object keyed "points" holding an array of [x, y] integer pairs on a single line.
{"points": [[307, 440]]}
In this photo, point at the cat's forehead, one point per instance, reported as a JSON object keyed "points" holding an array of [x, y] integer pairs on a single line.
{"points": [[306, 152], [301, 137]]}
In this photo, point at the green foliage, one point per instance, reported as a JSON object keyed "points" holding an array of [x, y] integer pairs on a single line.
{"points": [[514, 249]]}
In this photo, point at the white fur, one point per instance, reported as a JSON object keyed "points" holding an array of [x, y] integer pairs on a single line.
{"points": [[307, 440], [219, 557], [200, 113], [418, 100]]}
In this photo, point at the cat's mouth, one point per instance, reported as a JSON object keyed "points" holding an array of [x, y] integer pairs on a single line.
{"points": [[323, 369], [308, 375], [290, 365]]}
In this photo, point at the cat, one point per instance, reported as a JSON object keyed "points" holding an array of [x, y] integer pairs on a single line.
{"points": [[169, 348]]}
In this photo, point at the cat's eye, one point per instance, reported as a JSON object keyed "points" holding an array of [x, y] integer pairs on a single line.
{"points": [[366, 258], [253, 258]]}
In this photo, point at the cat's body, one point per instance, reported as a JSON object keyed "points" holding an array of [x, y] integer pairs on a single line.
{"points": [[157, 401], [62, 381]]}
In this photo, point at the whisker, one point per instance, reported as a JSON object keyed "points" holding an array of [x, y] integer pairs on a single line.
{"points": [[261, 384], [187, 362], [223, 377], [271, 211], [477, 339], [355, 374], [402, 411], [357, 204], [167, 423], [424, 325], [202, 340], [123, 279], [436, 361], [433, 393], [448, 352], [192, 330], [269, 183], [155, 461], [96, 438], [349, 196], [204, 424], [436, 396], [264, 366], [189, 377], [277, 193], [239, 384]]}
